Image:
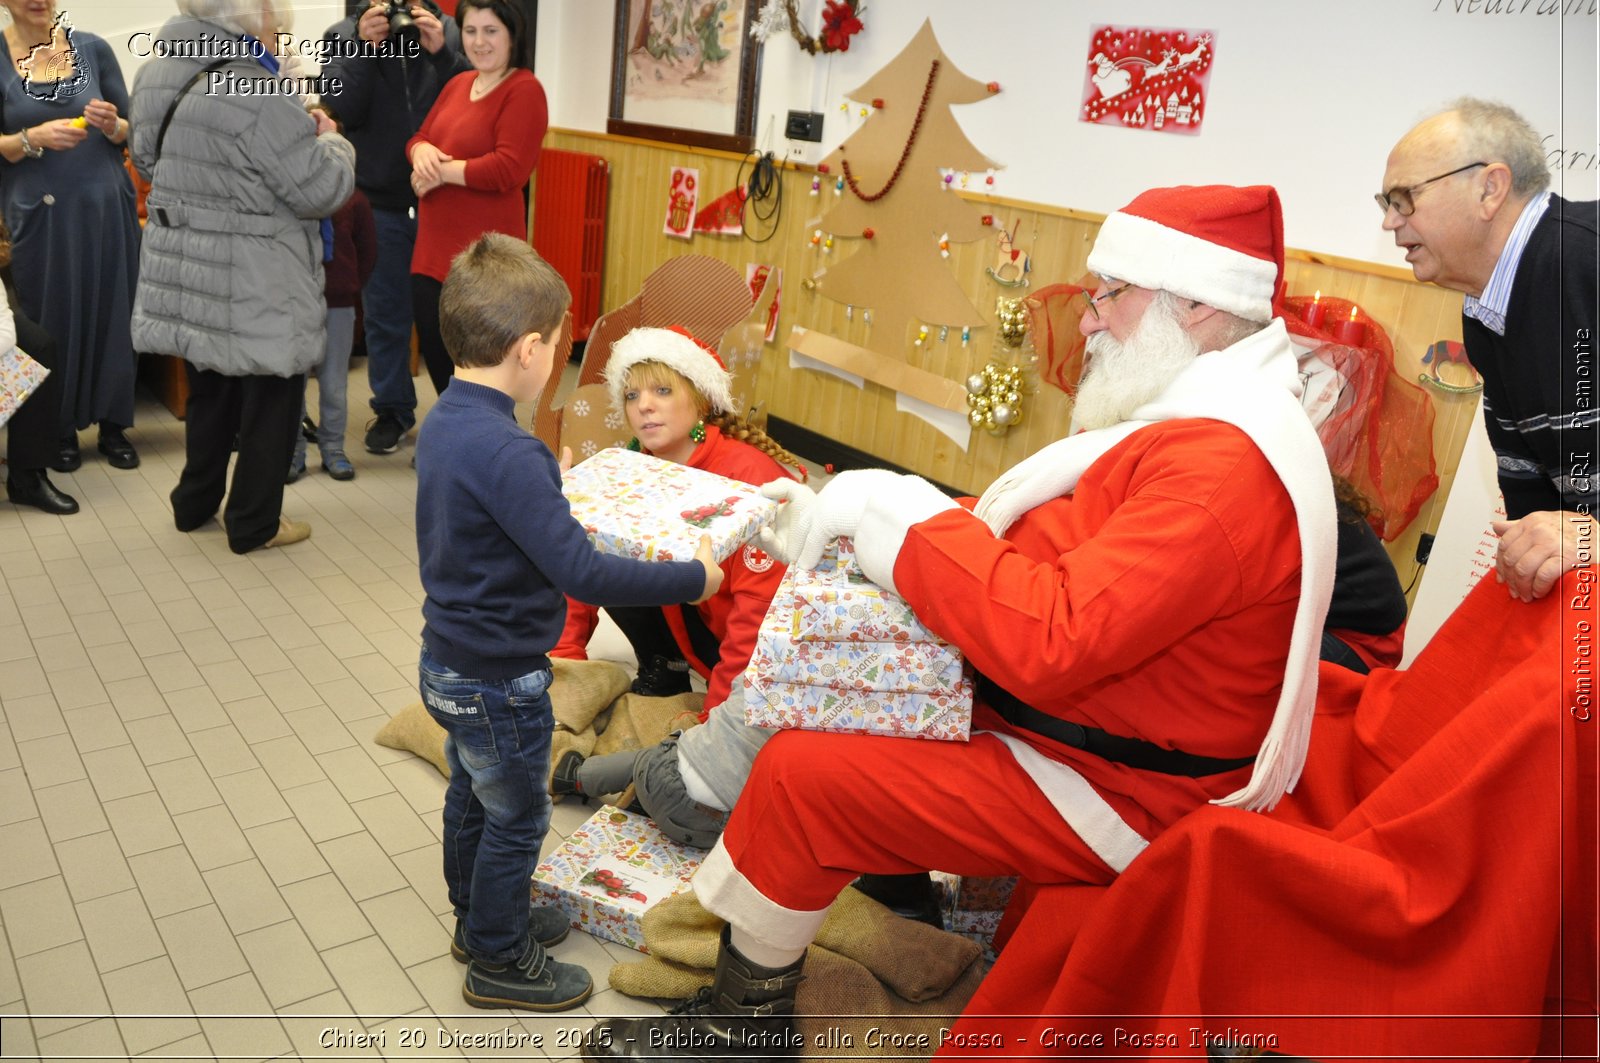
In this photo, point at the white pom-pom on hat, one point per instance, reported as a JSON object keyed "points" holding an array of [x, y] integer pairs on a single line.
{"points": [[676, 349]]}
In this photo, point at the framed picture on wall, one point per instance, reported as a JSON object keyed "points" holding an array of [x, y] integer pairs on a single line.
{"points": [[685, 71]]}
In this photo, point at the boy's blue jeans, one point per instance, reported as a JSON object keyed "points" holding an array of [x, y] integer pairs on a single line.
{"points": [[497, 807]]}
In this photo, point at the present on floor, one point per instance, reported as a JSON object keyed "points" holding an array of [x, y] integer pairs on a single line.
{"points": [[836, 652], [640, 506], [610, 871], [973, 905], [973, 893]]}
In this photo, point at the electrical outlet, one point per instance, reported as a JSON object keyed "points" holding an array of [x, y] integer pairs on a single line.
{"points": [[804, 125]]}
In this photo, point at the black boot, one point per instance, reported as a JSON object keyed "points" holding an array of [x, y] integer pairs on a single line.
{"points": [[661, 677], [746, 1013], [908, 896], [564, 776], [32, 487], [68, 457]]}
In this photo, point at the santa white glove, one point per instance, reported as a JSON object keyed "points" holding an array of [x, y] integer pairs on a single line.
{"points": [[794, 508], [874, 507], [837, 511]]}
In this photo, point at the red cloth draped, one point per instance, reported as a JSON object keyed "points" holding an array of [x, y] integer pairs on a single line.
{"points": [[1428, 890], [1381, 440]]}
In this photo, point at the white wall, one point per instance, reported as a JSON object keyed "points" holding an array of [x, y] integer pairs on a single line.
{"points": [[1305, 96]]}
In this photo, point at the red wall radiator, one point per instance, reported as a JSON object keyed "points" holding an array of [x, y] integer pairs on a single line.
{"points": [[569, 226]]}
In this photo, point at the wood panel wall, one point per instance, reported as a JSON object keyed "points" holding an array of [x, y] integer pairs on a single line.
{"points": [[1058, 241]]}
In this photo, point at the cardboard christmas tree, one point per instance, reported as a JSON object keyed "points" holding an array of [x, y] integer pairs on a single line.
{"points": [[891, 170]]}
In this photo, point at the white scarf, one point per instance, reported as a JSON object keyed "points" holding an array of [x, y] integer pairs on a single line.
{"points": [[1255, 386]]}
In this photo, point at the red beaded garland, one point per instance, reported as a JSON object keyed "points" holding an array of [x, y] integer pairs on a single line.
{"points": [[916, 127]]}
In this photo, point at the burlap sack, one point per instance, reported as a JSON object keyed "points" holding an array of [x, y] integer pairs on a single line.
{"points": [[579, 691], [413, 730], [638, 721], [899, 976]]}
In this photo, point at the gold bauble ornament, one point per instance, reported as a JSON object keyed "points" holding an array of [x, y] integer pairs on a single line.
{"points": [[976, 383], [1004, 413]]}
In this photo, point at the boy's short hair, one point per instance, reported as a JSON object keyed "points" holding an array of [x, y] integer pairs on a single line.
{"points": [[497, 291]]}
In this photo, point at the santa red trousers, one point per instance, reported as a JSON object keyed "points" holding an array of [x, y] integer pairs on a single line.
{"points": [[820, 809], [1430, 890]]}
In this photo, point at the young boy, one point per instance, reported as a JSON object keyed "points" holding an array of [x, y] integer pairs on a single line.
{"points": [[499, 550]]}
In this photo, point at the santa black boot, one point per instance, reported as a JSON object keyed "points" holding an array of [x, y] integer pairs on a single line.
{"points": [[746, 1013]]}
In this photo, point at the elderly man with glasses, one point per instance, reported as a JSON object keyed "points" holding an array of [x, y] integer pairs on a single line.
{"points": [[1469, 200], [1142, 602]]}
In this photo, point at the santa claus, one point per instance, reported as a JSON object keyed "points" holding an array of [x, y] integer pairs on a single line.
{"points": [[1142, 602]]}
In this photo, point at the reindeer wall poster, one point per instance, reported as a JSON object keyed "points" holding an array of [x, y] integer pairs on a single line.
{"points": [[1144, 78]]}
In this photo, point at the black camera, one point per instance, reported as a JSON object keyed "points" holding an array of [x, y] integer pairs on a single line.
{"points": [[402, 27]]}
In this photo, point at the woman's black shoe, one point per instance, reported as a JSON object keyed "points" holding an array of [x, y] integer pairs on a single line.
{"points": [[661, 678], [67, 458], [32, 487], [115, 446]]}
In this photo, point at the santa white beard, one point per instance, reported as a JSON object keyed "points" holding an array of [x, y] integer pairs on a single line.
{"points": [[1122, 376]]}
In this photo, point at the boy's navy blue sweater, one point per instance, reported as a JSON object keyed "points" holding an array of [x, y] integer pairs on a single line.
{"points": [[499, 548]]}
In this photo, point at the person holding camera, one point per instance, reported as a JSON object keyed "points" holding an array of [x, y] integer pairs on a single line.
{"points": [[390, 61]]}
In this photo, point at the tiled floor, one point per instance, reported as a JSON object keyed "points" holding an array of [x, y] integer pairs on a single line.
{"points": [[203, 854]]}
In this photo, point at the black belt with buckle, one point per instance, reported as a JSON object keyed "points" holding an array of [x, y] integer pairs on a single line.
{"points": [[1134, 752]]}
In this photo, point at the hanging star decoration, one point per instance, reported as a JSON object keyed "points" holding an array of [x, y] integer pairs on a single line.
{"points": [[841, 20]]}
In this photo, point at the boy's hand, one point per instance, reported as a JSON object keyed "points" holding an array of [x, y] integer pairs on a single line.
{"points": [[565, 464], [708, 560]]}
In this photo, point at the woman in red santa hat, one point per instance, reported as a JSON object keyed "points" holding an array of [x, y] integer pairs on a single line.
{"points": [[675, 392]]}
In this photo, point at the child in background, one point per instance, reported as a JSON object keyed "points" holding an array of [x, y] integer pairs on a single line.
{"points": [[354, 252], [498, 550]]}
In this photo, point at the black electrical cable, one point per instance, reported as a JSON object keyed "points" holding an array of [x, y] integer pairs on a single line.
{"points": [[764, 195]]}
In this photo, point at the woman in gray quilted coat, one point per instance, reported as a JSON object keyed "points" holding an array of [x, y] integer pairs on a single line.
{"points": [[231, 266]]}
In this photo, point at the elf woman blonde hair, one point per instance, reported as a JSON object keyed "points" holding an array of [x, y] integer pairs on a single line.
{"points": [[650, 357]]}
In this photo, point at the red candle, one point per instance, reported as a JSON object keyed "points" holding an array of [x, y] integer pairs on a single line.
{"points": [[1312, 313], [1350, 332]]}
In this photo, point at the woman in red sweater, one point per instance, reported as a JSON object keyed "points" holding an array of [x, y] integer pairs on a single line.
{"points": [[674, 391], [472, 158]]}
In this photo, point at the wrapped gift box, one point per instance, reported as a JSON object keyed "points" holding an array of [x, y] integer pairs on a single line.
{"points": [[639, 506], [882, 667], [839, 604], [801, 706], [611, 871], [980, 927], [20, 376], [973, 893], [836, 652], [973, 906]]}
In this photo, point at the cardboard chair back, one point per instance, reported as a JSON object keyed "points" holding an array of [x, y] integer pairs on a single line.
{"points": [[701, 294]]}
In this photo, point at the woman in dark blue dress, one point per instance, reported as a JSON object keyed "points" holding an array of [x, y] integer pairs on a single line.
{"points": [[69, 203]]}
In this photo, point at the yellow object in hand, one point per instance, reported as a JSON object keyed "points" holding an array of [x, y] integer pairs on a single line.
{"points": [[81, 122]]}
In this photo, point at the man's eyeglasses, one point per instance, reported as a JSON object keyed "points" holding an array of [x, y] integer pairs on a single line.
{"points": [[1110, 294], [1403, 199]]}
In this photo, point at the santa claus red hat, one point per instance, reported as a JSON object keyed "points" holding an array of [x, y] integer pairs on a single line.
{"points": [[1220, 244], [674, 348]]}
